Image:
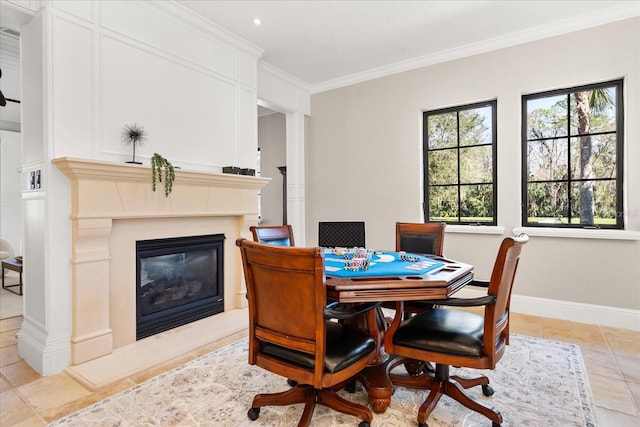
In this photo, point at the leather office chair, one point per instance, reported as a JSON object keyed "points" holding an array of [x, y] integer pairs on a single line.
{"points": [[274, 235], [344, 234], [290, 333], [458, 338]]}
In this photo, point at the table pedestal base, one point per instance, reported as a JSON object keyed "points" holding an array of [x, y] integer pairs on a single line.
{"points": [[376, 380]]}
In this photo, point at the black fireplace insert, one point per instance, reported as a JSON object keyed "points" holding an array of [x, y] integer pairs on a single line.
{"points": [[179, 280]]}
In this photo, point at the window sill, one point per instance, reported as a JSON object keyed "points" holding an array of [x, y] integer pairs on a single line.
{"points": [[579, 233], [474, 229]]}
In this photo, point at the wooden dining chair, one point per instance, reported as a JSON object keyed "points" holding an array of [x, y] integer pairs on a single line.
{"points": [[450, 337], [273, 234], [420, 238], [426, 238], [291, 334], [345, 234]]}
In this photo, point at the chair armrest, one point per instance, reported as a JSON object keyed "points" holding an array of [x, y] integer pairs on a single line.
{"points": [[479, 283], [340, 310], [465, 302]]}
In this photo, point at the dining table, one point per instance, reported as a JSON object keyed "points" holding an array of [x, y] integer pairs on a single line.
{"points": [[388, 276]]}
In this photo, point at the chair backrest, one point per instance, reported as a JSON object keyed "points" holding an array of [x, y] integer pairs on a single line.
{"points": [[347, 234], [281, 235], [420, 238], [287, 297], [496, 315]]}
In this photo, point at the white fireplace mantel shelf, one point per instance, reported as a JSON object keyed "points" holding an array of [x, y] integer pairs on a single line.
{"points": [[116, 190], [112, 207]]}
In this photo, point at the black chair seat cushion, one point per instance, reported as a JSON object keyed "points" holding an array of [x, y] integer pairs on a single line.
{"points": [[443, 331], [345, 346]]}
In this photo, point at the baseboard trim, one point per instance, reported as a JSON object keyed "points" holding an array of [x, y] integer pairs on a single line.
{"points": [[46, 356], [614, 317]]}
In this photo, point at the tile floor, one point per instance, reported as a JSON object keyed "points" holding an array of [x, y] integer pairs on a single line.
{"points": [[612, 357]]}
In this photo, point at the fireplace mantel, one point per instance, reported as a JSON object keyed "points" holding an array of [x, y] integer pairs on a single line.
{"points": [[112, 206], [115, 190]]}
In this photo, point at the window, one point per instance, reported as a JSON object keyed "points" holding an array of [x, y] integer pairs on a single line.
{"points": [[572, 157], [460, 164]]}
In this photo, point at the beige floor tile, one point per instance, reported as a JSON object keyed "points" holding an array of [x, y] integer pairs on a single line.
{"points": [[8, 338], [89, 400], [612, 394], [635, 392], [525, 324], [9, 355], [586, 336], [10, 324], [630, 367], [603, 364], [623, 342], [4, 384], [20, 373], [34, 421], [48, 394], [14, 409], [608, 418]]}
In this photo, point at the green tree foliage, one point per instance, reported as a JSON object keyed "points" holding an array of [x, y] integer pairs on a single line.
{"points": [[460, 166], [571, 153]]}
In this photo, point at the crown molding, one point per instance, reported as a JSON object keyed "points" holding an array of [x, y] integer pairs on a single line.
{"points": [[623, 11]]}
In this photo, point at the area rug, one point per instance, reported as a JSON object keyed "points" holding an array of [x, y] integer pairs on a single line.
{"points": [[10, 303], [537, 382]]}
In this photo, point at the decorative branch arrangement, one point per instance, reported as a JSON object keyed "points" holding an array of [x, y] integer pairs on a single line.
{"points": [[135, 135], [159, 165]]}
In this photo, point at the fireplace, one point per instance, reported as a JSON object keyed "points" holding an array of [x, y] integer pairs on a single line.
{"points": [[179, 280], [112, 208]]}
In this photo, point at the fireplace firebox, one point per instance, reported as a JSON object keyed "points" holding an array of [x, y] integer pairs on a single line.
{"points": [[179, 280]]}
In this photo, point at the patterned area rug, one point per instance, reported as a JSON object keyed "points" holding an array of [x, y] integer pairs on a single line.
{"points": [[537, 382]]}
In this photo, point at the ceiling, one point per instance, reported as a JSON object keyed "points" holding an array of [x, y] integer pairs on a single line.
{"points": [[327, 44]]}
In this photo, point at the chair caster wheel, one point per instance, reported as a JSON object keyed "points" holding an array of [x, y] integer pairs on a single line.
{"points": [[292, 383], [495, 425], [364, 424], [253, 413], [423, 425], [487, 390], [350, 388]]}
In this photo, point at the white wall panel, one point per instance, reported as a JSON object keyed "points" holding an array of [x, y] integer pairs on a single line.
{"points": [[80, 9], [247, 70], [72, 117], [168, 35], [188, 114], [248, 129]]}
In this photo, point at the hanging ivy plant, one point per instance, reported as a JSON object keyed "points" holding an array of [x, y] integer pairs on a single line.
{"points": [[162, 168]]}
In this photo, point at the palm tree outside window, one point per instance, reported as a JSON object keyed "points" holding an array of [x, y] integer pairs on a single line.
{"points": [[572, 157]]}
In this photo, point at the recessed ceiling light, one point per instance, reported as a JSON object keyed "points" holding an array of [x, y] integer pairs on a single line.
{"points": [[257, 21]]}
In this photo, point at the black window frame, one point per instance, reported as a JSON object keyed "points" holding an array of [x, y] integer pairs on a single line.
{"points": [[493, 104], [619, 105]]}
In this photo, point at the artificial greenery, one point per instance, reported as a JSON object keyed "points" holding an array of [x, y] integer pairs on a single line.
{"points": [[158, 165]]}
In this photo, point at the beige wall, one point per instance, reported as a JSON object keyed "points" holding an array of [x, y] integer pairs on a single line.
{"points": [[365, 158]]}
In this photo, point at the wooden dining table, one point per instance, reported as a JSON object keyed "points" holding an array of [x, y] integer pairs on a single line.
{"points": [[391, 283]]}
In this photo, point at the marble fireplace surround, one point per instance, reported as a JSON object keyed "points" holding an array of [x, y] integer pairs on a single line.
{"points": [[112, 207]]}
